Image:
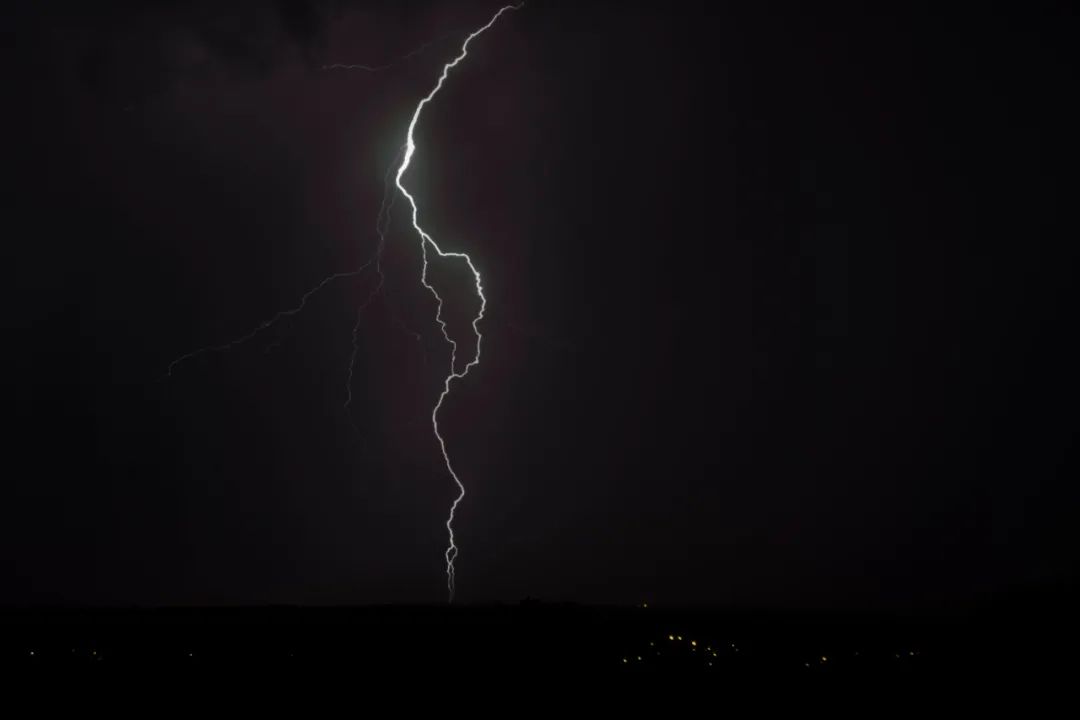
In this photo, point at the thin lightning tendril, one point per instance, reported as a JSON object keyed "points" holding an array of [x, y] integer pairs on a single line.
{"points": [[386, 66], [267, 323], [382, 225], [426, 240]]}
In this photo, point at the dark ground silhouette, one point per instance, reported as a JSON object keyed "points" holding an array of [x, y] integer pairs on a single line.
{"points": [[1031, 634]]}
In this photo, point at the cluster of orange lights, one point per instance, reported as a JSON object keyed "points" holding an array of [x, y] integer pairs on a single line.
{"points": [[709, 652], [692, 644]]}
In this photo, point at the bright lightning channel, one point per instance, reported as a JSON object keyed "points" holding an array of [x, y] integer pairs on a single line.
{"points": [[426, 240]]}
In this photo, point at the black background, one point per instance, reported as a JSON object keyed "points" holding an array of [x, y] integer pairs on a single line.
{"points": [[779, 304]]}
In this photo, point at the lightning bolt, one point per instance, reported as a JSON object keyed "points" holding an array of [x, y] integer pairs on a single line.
{"points": [[426, 241], [382, 225]]}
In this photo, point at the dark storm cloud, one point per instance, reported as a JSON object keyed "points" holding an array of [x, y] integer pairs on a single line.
{"points": [[778, 316], [126, 52]]}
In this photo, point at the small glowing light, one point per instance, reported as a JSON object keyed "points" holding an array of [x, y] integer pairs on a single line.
{"points": [[824, 659], [639, 658], [714, 654], [911, 653], [652, 644], [31, 652], [625, 660], [670, 637], [693, 643], [645, 605], [679, 637]]}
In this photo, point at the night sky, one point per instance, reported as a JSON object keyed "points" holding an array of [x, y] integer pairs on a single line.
{"points": [[778, 304]]}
